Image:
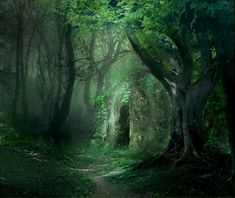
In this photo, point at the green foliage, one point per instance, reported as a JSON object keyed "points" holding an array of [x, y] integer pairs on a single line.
{"points": [[11, 134], [125, 91], [102, 104], [31, 174], [8, 133], [175, 181], [216, 121], [159, 23], [150, 108], [100, 113], [31, 168], [113, 160], [98, 148]]}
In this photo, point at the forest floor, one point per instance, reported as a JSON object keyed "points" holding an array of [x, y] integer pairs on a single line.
{"points": [[98, 171], [26, 172]]}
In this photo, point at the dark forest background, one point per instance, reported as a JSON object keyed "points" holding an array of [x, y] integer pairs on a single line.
{"points": [[148, 84]]}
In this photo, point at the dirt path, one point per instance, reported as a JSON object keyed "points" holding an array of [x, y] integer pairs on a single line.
{"points": [[106, 189]]}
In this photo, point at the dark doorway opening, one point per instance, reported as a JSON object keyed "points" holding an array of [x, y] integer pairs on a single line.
{"points": [[123, 136]]}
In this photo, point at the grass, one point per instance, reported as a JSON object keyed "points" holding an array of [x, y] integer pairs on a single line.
{"points": [[29, 174], [32, 169], [112, 160], [55, 173], [176, 181], [186, 180], [29, 168]]}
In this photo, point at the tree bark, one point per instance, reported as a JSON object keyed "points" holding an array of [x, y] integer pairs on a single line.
{"points": [[47, 71], [42, 87], [91, 59], [188, 101], [24, 76], [59, 69], [112, 55], [100, 83], [86, 96], [19, 60], [60, 118]]}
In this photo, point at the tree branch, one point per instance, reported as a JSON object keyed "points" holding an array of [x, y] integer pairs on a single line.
{"points": [[155, 66]]}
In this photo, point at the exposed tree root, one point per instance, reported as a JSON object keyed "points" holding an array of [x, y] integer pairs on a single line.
{"points": [[191, 155], [165, 158], [177, 157]]}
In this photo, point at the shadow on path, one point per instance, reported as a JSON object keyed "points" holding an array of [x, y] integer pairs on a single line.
{"points": [[104, 187]]}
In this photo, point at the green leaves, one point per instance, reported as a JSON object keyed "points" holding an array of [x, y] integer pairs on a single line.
{"points": [[125, 90]]}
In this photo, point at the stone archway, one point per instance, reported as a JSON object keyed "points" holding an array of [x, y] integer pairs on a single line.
{"points": [[123, 134]]}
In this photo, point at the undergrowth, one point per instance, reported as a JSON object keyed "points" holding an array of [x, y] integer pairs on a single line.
{"points": [[32, 168], [39, 169], [188, 180]]}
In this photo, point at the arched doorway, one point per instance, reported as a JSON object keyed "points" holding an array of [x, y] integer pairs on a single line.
{"points": [[123, 135]]}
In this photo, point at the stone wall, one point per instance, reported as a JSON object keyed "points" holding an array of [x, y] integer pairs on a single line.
{"points": [[149, 115]]}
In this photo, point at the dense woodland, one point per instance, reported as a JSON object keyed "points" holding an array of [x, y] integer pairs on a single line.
{"points": [[107, 98]]}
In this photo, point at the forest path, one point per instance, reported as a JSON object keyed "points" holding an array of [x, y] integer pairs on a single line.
{"points": [[104, 187]]}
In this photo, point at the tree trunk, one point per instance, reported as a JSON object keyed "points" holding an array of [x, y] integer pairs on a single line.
{"points": [[58, 92], [188, 102], [19, 62], [47, 71], [90, 113], [186, 130], [176, 140], [59, 69], [24, 98], [42, 87], [86, 96], [100, 83], [105, 67], [24, 76], [60, 118], [90, 49]]}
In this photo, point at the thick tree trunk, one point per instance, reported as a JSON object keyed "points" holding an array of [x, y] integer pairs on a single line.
{"points": [[186, 130], [189, 116], [188, 101], [60, 118], [176, 140], [186, 140]]}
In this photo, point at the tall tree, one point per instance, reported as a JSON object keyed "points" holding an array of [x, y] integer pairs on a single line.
{"points": [[170, 38], [19, 8], [62, 113], [188, 99]]}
